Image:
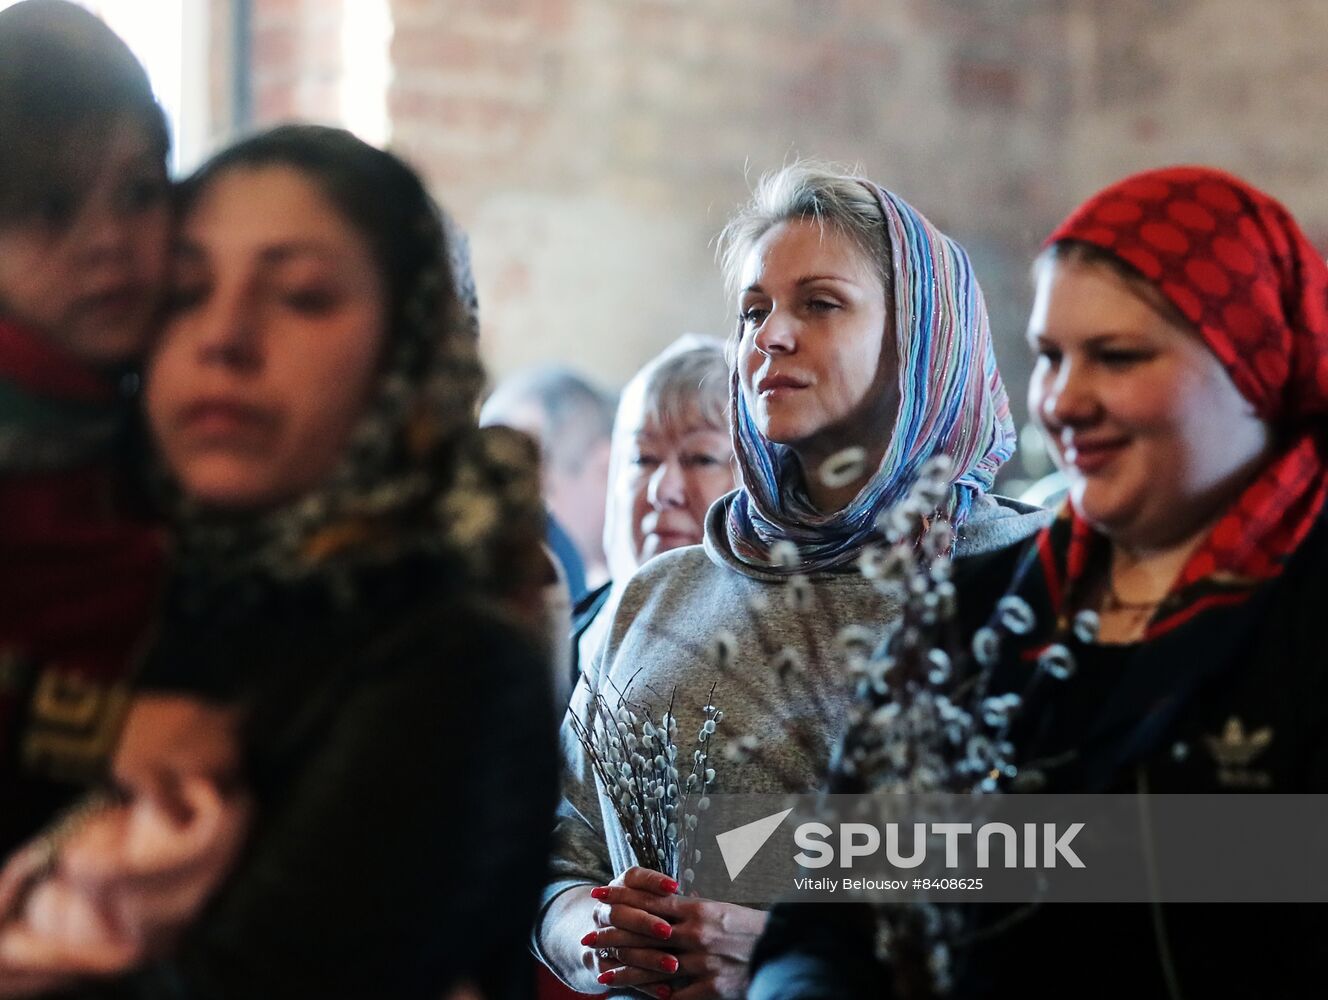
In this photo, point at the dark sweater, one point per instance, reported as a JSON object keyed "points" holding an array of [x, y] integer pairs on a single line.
{"points": [[401, 752], [1131, 711], [79, 579]]}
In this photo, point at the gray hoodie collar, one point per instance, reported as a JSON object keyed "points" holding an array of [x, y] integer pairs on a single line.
{"points": [[995, 522]]}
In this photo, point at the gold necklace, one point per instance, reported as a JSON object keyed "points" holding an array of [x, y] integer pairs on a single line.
{"points": [[1114, 602]]}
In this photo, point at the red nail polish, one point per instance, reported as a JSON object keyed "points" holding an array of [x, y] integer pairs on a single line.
{"points": [[606, 977], [599, 892], [669, 964], [662, 930], [668, 885], [589, 938], [663, 993]]}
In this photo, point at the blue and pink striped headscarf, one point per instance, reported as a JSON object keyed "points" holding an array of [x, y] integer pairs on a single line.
{"points": [[952, 402]]}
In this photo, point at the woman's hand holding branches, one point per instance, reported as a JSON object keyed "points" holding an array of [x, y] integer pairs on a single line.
{"points": [[649, 938]]}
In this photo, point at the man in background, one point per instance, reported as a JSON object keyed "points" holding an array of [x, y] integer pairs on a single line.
{"points": [[572, 419]]}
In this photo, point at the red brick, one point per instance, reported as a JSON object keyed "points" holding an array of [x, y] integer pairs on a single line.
{"points": [[993, 115]]}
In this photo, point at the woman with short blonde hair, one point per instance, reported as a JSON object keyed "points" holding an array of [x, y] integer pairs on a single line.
{"points": [[670, 460], [861, 350]]}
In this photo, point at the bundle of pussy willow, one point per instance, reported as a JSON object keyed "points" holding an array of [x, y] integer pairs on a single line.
{"points": [[635, 758]]}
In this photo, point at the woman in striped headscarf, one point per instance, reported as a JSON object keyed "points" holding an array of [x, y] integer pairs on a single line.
{"points": [[862, 350]]}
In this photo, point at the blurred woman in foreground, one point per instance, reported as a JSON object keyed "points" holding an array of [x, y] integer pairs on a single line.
{"points": [[336, 774]]}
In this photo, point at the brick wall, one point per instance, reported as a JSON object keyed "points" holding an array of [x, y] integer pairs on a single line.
{"points": [[295, 54], [594, 147]]}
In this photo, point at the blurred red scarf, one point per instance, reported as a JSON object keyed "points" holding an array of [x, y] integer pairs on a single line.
{"points": [[78, 578], [1237, 266]]}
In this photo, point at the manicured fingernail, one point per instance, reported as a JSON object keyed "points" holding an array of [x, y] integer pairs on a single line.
{"points": [[662, 930], [589, 938], [663, 993], [600, 892], [668, 885], [668, 963], [607, 977]]}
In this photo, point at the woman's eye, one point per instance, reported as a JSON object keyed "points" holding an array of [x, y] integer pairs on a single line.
{"points": [[701, 460], [1045, 352], [1123, 359], [310, 300], [753, 316], [642, 459], [56, 209], [142, 194], [182, 297], [822, 305]]}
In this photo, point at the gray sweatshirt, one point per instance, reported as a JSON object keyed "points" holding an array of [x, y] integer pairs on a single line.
{"points": [[662, 640]]}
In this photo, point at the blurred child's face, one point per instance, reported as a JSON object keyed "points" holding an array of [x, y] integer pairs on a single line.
{"points": [[270, 347], [86, 268]]}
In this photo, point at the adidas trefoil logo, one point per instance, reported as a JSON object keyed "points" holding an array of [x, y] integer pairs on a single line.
{"points": [[1235, 750]]}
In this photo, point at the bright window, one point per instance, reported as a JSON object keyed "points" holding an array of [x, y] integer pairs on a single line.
{"points": [[366, 42]]}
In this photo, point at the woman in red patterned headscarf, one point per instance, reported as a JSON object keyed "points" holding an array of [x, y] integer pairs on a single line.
{"points": [[1181, 334], [1181, 331]]}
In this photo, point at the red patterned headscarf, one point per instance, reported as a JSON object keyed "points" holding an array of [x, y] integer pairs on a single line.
{"points": [[1236, 265]]}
